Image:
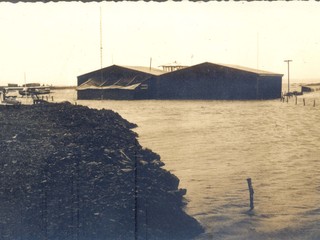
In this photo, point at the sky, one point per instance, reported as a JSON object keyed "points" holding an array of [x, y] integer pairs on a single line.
{"points": [[53, 43]]}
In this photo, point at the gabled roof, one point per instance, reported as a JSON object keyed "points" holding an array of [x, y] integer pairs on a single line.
{"points": [[252, 70], [153, 71], [241, 68], [148, 70]]}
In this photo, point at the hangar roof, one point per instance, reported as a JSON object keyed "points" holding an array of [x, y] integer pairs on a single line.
{"points": [[257, 71], [153, 71], [226, 66], [147, 70]]}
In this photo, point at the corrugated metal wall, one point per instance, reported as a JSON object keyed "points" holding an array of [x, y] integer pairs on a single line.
{"points": [[270, 87], [208, 82]]}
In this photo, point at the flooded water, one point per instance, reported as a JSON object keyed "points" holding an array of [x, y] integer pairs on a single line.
{"points": [[214, 146]]}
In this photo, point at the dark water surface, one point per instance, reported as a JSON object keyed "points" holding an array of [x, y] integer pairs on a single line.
{"points": [[214, 146]]}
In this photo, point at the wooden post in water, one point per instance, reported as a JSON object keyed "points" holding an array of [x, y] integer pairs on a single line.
{"points": [[251, 192], [296, 99], [314, 103], [52, 98], [304, 102]]}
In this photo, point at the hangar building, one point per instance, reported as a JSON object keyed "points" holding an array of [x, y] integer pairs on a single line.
{"points": [[202, 81], [119, 83], [220, 82]]}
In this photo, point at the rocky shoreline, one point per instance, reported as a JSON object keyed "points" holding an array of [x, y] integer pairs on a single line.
{"points": [[70, 172]]}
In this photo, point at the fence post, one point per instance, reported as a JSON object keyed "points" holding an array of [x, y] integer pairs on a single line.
{"points": [[251, 192]]}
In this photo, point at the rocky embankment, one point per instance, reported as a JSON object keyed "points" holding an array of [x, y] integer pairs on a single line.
{"points": [[70, 172]]}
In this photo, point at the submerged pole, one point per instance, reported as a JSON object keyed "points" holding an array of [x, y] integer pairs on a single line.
{"points": [[251, 192]]}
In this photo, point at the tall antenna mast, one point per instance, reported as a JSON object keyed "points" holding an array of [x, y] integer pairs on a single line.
{"points": [[101, 37]]}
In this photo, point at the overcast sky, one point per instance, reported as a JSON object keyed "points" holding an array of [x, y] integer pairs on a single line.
{"points": [[55, 42]]}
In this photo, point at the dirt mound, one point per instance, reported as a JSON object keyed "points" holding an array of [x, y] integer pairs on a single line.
{"points": [[70, 172]]}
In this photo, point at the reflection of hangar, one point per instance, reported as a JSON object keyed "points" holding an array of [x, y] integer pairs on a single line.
{"points": [[202, 81], [117, 82]]}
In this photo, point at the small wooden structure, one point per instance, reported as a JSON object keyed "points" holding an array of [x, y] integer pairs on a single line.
{"points": [[172, 67]]}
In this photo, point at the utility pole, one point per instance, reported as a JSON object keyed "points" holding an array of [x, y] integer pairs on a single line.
{"points": [[101, 50], [288, 61]]}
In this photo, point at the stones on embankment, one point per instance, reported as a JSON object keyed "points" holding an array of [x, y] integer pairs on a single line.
{"points": [[70, 172]]}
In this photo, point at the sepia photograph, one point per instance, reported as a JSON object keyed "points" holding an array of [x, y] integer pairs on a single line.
{"points": [[174, 120]]}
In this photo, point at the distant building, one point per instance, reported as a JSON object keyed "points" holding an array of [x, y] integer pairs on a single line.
{"points": [[202, 81], [12, 85], [312, 87], [31, 85]]}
